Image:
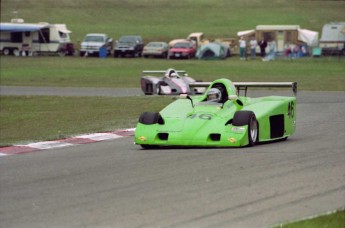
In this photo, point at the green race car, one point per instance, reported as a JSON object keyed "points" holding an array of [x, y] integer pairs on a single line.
{"points": [[220, 118]]}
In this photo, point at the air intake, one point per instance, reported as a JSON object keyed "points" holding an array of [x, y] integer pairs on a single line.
{"points": [[163, 136], [215, 137]]}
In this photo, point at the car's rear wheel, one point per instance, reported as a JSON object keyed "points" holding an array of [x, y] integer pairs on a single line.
{"points": [[242, 118]]}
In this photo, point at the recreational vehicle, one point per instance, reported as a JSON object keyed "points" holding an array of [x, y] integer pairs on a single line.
{"points": [[283, 34], [333, 38], [18, 38]]}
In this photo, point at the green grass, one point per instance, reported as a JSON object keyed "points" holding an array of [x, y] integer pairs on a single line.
{"points": [[333, 220], [168, 19], [30, 118], [325, 73]]}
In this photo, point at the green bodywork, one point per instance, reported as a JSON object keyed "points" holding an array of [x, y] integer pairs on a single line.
{"points": [[196, 122]]}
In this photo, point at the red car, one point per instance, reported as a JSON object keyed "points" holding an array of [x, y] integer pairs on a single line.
{"points": [[184, 49]]}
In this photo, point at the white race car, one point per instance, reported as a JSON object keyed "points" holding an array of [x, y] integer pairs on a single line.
{"points": [[172, 83]]}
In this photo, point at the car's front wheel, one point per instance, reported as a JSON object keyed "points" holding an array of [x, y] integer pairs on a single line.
{"points": [[149, 147], [242, 118], [149, 118]]}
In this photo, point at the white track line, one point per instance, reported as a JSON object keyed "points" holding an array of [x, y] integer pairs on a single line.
{"points": [[28, 148]]}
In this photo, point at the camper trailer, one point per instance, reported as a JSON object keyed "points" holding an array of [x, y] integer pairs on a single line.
{"points": [[19, 38], [333, 38], [283, 34]]}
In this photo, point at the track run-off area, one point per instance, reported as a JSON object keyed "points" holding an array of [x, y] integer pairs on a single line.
{"points": [[114, 183]]}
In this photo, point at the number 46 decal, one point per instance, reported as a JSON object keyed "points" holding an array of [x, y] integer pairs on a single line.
{"points": [[201, 116], [291, 109]]}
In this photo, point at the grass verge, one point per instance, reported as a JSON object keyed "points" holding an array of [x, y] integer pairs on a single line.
{"points": [[326, 73], [333, 220], [28, 119]]}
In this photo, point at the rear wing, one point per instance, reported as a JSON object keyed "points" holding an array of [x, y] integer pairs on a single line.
{"points": [[243, 86], [161, 72]]}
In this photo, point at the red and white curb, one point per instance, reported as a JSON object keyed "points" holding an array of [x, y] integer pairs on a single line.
{"points": [[77, 140]]}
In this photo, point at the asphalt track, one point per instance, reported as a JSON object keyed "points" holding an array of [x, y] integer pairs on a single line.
{"points": [[117, 184]]}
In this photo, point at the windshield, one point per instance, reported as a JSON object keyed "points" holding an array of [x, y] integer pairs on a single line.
{"points": [[158, 45], [94, 39], [128, 39]]}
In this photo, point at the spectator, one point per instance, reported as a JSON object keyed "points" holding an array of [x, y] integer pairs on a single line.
{"points": [[296, 50], [242, 43], [263, 44], [272, 49], [287, 50], [253, 43]]}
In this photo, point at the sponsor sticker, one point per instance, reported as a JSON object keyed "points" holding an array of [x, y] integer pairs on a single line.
{"points": [[142, 138], [238, 129], [232, 140]]}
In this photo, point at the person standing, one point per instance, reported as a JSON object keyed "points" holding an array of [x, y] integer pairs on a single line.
{"points": [[253, 43], [242, 43], [263, 44], [272, 51]]}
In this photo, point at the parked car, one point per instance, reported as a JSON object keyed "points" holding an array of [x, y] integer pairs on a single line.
{"points": [[156, 49], [129, 45], [93, 42], [184, 49]]}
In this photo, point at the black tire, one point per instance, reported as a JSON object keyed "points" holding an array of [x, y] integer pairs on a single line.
{"points": [[6, 51], [150, 118], [149, 147], [149, 89], [158, 88], [242, 118]]}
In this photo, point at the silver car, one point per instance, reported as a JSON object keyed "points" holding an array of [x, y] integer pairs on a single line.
{"points": [[156, 49]]}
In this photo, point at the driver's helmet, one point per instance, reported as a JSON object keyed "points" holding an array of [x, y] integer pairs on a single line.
{"points": [[214, 95], [171, 73]]}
